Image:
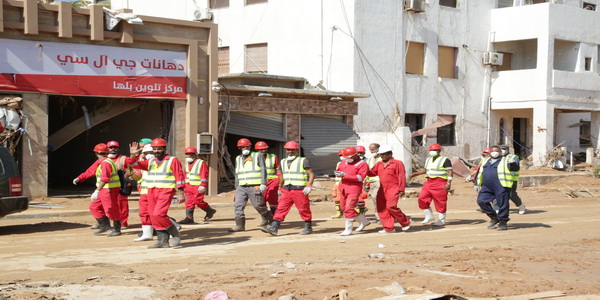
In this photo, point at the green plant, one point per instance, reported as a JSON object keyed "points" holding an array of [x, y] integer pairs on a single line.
{"points": [[596, 172]]}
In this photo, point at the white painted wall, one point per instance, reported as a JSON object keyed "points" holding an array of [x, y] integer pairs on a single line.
{"points": [[569, 136], [399, 140]]}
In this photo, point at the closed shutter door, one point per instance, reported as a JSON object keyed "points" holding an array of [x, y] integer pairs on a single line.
{"points": [[257, 125], [322, 138]]}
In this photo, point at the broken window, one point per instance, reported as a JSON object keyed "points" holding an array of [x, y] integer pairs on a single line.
{"points": [[415, 122], [446, 134], [447, 62], [218, 4], [223, 60], [256, 58], [449, 3], [415, 57]]}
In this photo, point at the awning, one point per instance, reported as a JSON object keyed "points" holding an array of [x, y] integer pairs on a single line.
{"points": [[442, 120]]}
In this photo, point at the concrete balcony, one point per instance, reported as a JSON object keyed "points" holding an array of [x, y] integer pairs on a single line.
{"points": [[519, 86]]}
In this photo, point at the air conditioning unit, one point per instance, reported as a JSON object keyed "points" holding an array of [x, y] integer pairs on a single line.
{"points": [[203, 15], [413, 5], [493, 58]]}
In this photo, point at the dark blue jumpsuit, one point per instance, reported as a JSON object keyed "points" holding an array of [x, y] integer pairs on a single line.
{"points": [[492, 189]]}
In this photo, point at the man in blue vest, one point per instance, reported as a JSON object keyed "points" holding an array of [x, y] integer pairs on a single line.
{"points": [[295, 186], [250, 184], [495, 179]]}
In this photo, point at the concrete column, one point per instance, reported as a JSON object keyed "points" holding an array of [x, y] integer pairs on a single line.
{"points": [[179, 132], [543, 132], [595, 129], [35, 160]]}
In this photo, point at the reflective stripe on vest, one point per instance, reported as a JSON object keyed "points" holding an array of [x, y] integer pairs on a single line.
{"points": [[161, 177], [436, 169], [514, 175], [114, 176], [270, 165], [294, 174], [248, 172], [193, 176], [503, 173], [338, 179]]}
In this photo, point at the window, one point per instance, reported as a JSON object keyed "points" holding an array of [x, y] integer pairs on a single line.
{"points": [[250, 2], [449, 3], [585, 131], [506, 62], [415, 57], [223, 60], [256, 58], [505, 3], [446, 134], [218, 4], [589, 6], [447, 62], [588, 63], [415, 122]]}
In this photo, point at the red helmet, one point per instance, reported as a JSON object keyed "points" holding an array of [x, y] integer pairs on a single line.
{"points": [[341, 152], [158, 143], [190, 150], [360, 149], [244, 143], [291, 145], [435, 147], [112, 144], [487, 150], [259, 145], [101, 148], [349, 152]]}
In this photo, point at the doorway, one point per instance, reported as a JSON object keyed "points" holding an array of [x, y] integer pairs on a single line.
{"points": [[520, 136]]}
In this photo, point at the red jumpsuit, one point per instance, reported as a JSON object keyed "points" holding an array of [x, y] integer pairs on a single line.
{"points": [[393, 181], [270, 193], [123, 200], [95, 206], [293, 195], [351, 185], [191, 191], [143, 201], [107, 196], [159, 199]]}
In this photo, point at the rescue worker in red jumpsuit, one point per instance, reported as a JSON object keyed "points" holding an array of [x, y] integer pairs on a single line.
{"points": [[119, 160], [392, 177], [295, 186], [273, 178], [361, 205], [104, 206], [140, 176], [438, 170], [165, 178], [352, 171], [196, 182], [335, 190]]}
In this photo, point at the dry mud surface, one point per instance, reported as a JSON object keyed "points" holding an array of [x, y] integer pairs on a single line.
{"points": [[552, 250]]}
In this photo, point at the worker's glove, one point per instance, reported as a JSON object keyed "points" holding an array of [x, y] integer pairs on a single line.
{"points": [[306, 190], [278, 192], [95, 195], [75, 181], [469, 178], [262, 188], [201, 189], [339, 174], [477, 188]]}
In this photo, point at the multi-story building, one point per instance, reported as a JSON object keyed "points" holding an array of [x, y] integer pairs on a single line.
{"points": [[462, 73]]}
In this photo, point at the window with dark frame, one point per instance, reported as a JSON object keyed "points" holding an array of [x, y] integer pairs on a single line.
{"points": [[250, 2], [449, 3], [415, 122], [446, 134], [588, 63], [215, 4]]}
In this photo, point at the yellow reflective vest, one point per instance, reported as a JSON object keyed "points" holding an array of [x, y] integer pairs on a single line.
{"points": [[504, 175], [114, 176], [294, 174], [161, 176], [436, 169], [142, 183], [270, 166], [193, 176], [248, 170]]}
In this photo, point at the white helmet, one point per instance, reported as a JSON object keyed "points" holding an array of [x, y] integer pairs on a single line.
{"points": [[147, 148], [384, 149]]}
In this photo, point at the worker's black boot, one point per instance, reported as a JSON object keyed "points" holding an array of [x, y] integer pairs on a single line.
{"points": [[174, 233], [273, 228], [162, 240], [116, 229], [502, 225], [493, 221], [210, 212], [240, 225], [307, 228], [263, 221], [104, 225], [189, 216]]}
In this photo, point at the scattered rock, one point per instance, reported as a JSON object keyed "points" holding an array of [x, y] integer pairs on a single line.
{"points": [[93, 278], [216, 295], [377, 255], [289, 265], [381, 246], [393, 289], [287, 297]]}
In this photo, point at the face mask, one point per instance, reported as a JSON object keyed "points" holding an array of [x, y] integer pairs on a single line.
{"points": [[433, 153], [112, 155], [245, 152], [291, 157], [342, 158], [495, 154], [349, 160], [149, 156], [189, 159], [503, 152], [362, 157]]}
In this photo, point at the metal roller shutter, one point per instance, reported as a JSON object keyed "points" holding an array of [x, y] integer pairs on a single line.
{"points": [[257, 125], [322, 138]]}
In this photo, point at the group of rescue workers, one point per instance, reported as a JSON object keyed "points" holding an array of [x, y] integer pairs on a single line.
{"points": [[262, 179]]}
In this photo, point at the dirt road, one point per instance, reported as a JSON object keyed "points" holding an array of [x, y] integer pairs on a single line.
{"points": [[554, 247]]}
